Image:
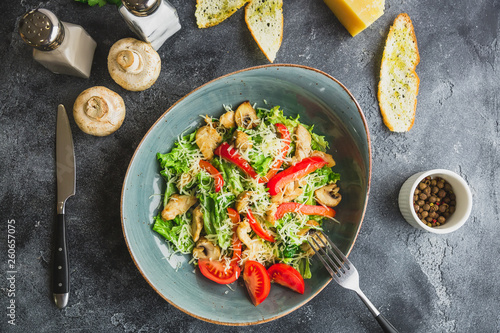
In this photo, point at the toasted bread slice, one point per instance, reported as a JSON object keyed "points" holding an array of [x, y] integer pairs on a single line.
{"points": [[264, 19], [212, 12], [398, 86]]}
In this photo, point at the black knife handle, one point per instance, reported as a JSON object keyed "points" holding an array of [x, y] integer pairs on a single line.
{"points": [[60, 276]]}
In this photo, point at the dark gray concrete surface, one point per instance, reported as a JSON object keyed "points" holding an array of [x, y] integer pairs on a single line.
{"points": [[421, 282]]}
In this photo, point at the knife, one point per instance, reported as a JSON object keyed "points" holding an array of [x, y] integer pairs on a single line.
{"points": [[66, 184]]}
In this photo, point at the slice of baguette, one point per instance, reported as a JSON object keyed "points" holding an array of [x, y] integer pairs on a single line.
{"points": [[398, 86], [264, 19], [212, 12]]}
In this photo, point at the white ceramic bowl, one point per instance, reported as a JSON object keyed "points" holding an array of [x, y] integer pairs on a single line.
{"points": [[460, 189]]}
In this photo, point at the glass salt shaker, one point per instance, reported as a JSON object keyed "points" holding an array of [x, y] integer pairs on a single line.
{"points": [[153, 21], [63, 48]]}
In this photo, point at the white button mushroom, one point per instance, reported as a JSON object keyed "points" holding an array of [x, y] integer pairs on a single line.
{"points": [[205, 249], [245, 116], [133, 64], [99, 111], [328, 195]]}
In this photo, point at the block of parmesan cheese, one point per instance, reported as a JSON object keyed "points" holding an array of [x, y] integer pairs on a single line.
{"points": [[356, 15]]}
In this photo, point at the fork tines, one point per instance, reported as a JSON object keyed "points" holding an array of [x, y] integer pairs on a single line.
{"points": [[332, 258]]}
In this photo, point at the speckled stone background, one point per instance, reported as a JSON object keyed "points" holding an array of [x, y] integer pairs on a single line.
{"points": [[420, 281]]}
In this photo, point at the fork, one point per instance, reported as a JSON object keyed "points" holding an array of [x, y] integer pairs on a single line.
{"points": [[344, 273]]}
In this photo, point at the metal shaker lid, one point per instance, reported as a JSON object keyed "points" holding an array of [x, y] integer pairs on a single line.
{"points": [[41, 29], [141, 7]]}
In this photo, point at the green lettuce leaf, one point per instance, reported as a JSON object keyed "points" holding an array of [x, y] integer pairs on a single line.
{"points": [[176, 231], [176, 158]]}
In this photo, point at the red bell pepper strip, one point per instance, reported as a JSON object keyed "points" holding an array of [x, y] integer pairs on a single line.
{"points": [[285, 136], [258, 228], [295, 172], [289, 207], [231, 155], [219, 180], [235, 218]]}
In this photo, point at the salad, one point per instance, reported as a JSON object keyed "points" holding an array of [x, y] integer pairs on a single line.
{"points": [[243, 194]]}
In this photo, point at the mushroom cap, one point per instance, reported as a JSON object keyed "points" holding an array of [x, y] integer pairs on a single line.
{"points": [[133, 64], [245, 116], [328, 195], [99, 111], [205, 249]]}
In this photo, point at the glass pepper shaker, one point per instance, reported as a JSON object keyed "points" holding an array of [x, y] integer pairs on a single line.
{"points": [[153, 21], [62, 47]]}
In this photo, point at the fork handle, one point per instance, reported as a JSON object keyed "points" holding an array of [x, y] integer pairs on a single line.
{"points": [[385, 324]]}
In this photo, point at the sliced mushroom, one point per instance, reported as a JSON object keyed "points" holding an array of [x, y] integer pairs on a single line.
{"points": [[330, 162], [99, 111], [242, 201], [177, 205], [289, 193], [207, 139], [245, 116], [133, 64], [205, 249], [227, 119], [302, 143], [197, 223], [328, 195], [242, 141]]}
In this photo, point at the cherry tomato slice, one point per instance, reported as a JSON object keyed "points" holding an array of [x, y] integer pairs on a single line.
{"points": [[235, 218], [258, 228], [219, 180], [287, 276], [217, 271], [257, 281]]}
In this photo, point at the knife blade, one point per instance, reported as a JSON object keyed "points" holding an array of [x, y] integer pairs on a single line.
{"points": [[66, 185]]}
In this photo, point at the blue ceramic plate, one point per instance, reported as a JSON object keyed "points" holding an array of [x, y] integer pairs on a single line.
{"points": [[319, 99]]}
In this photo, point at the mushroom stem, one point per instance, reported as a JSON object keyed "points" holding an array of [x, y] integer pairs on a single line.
{"points": [[129, 61], [96, 107]]}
